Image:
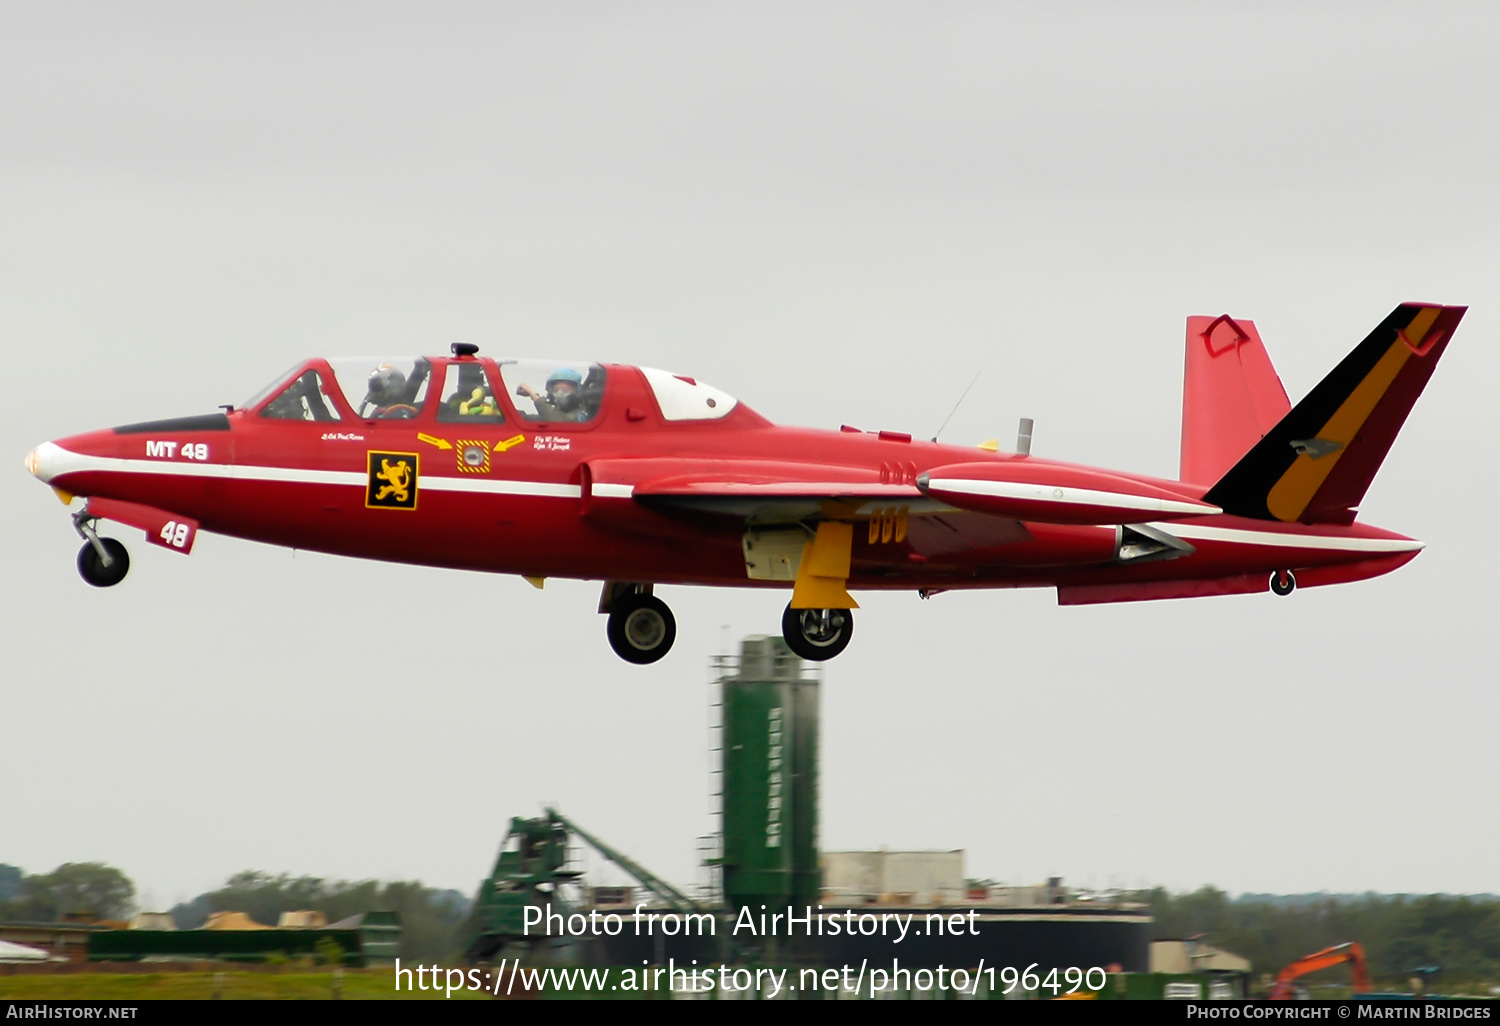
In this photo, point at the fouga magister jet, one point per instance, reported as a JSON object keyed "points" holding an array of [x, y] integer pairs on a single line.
{"points": [[638, 477]]}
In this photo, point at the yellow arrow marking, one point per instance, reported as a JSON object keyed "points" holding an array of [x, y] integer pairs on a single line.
{"points": [[439, 442], [509, 443]]}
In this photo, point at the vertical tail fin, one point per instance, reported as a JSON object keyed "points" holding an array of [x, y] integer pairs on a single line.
{"points": [[1231, 396], [1315, 465]]}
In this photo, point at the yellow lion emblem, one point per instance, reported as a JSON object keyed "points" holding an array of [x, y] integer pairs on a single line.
{"points": [[397, 480]]}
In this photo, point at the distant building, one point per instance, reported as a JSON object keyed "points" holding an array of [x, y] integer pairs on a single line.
{"points": [[894, 877], [302, 919], [367, 939], [1193, 956], [66, 941], [612, 895], [153, 921], [233, 921], [10, 952]]}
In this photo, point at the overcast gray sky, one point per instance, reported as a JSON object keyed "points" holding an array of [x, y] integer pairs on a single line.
{"points": [[837, 212]]}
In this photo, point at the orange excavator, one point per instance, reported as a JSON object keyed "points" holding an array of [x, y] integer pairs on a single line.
{"points": [[1350, 951]]}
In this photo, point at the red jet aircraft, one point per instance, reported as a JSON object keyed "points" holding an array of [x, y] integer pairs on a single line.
{"points": [[639, 477]]}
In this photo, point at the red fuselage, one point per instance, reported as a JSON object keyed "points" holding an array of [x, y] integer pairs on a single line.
{"points": [[630, 495]]}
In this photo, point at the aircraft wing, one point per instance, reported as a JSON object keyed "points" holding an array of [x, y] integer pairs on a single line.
{"points": [[780, 501], [771, 492], [759, 491], [769, 495]]}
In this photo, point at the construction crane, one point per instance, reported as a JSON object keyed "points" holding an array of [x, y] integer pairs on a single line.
{"points": [[535, 869], [1350, 951], [674, 898]]}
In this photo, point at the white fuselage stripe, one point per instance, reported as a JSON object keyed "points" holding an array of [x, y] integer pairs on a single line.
{"points": [[500, 486], [612, 491], [61, 461], [1028, 492], [1275, 539], [58, 461]]}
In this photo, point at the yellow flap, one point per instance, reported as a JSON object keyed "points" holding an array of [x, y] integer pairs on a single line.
{"points": [[829, 554], [824, 570]]}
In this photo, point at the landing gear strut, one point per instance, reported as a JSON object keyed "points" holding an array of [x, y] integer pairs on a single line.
{"points": [[817, 634], [1283, 582], [102, 562], [641, 627]]}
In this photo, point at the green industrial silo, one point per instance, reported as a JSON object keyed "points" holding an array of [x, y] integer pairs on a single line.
{"points": [[769, 714]]}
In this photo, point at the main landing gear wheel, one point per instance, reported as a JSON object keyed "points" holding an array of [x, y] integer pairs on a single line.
{"points": [[641, 628], [817, 634], [1283, 582], [93, 570]]}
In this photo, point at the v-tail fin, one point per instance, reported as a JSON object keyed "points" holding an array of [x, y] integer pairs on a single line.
{"points": [[1231, 396], [1315, 465]]}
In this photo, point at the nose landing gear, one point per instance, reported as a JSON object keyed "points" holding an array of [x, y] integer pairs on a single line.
{"points": [[641, 628], [102, 562], [817, 634]]}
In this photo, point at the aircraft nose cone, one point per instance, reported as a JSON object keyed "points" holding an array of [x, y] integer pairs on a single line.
{"points": [[40, 462]]}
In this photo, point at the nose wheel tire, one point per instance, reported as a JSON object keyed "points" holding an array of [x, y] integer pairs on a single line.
{"points": [[92, 569], [1283, 582], [641, 628], [817, 634]]}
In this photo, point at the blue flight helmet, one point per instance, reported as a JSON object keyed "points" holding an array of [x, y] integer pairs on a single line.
{"points": [[567, 401]]}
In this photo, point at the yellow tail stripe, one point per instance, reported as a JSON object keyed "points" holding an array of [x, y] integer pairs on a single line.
{"points": [[1289, 497]]}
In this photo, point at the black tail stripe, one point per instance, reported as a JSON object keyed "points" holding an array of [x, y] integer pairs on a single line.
{"points": [[1244, 489]]}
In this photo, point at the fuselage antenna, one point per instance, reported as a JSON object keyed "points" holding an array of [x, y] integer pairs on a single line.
{"points": [[956, 405]]}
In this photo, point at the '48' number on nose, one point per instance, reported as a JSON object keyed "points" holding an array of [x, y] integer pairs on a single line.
{"points": [[175, 534]]}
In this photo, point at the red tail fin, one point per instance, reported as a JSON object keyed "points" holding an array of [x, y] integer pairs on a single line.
{"points": [[1231, 396]]}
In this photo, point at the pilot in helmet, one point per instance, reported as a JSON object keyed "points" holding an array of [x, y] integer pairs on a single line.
{"points": [[563, 399], [387, 393]]}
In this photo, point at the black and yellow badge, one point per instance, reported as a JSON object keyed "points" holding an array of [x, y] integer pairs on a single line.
{"points": [[393, 481], [473, 457]]}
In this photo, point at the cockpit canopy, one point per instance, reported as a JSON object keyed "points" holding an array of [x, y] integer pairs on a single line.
{"points": [[469, 390]]}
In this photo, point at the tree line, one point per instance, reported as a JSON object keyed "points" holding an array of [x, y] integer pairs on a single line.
{"points": [[433, 921], [74, 887], [1399, 932]]}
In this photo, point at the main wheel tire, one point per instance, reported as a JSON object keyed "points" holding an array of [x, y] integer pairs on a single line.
{"points": [[817, 634], [641, 628], [1281, 587], [92, 569]]}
